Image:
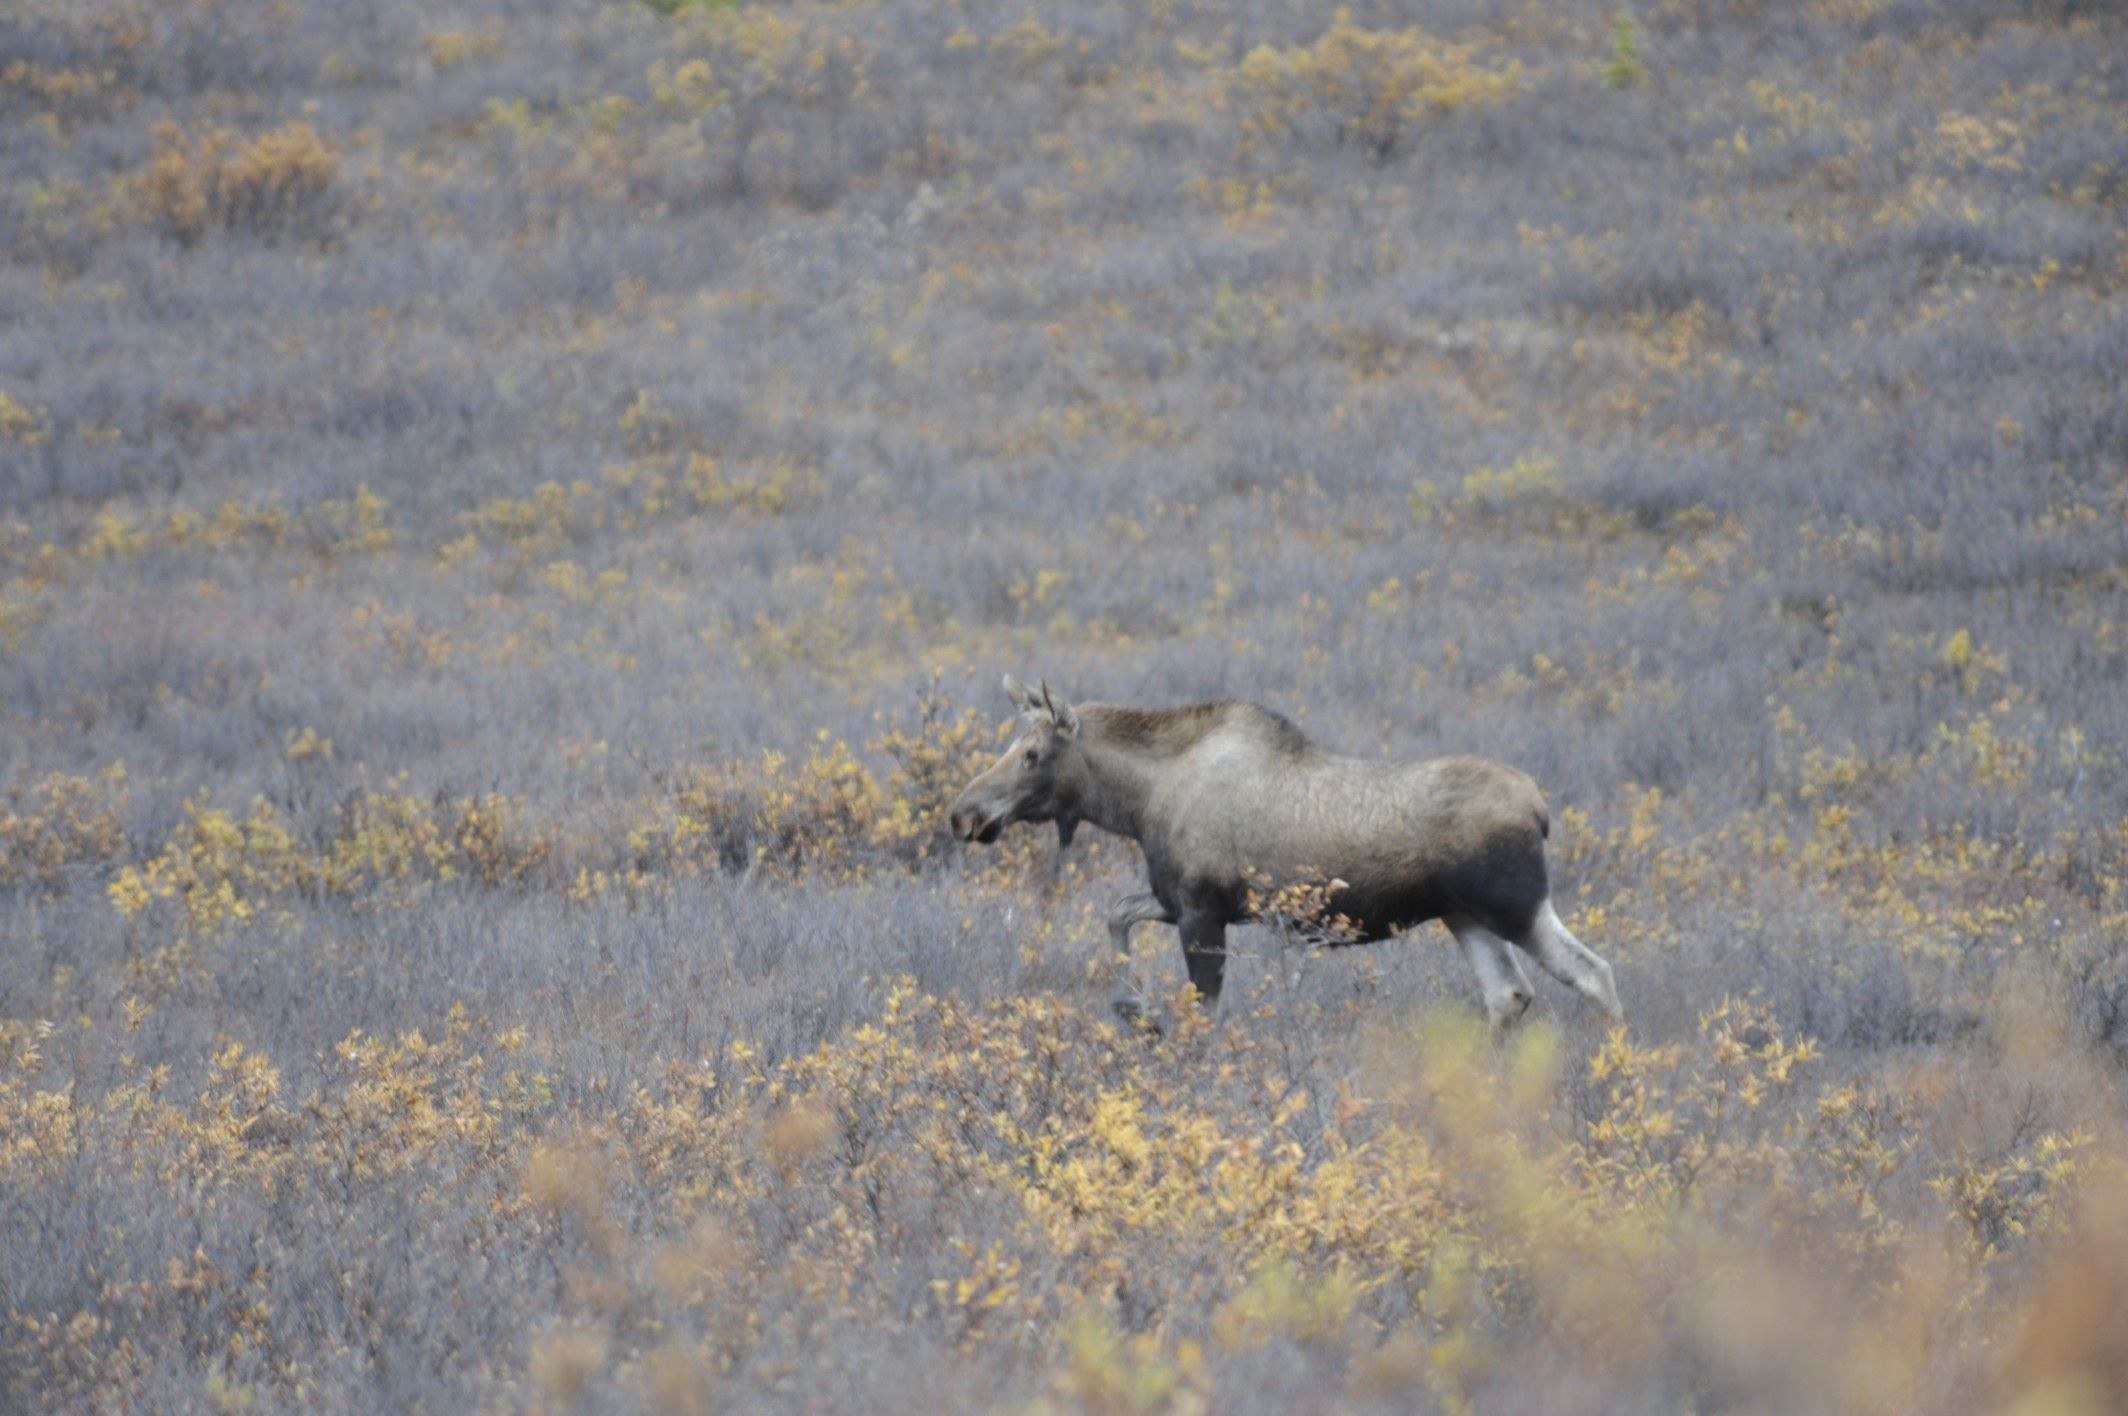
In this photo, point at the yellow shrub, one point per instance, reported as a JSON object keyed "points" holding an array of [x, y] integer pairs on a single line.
{"points": [[815, 814], [21, 425], [450, 48], [831, 812], [217, 866], [277, 183], [932, 762], [493, 844], [221, 869], [61, 822], [1366, 88]]}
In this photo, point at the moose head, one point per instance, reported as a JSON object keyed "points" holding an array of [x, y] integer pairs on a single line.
{"points": [[1041, 777]]}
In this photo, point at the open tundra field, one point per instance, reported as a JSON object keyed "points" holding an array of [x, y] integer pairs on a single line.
{"points": [[512, 516]]}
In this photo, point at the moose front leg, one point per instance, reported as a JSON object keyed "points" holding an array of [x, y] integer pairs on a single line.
{"points": [[1204, 951], [1130, 912]]}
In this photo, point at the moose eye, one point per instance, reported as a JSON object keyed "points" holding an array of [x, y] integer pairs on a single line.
{"points": [[1030, 757]]}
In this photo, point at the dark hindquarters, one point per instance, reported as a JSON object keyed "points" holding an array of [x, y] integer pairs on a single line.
{"points": [[1506, 882], [1500, 882]]}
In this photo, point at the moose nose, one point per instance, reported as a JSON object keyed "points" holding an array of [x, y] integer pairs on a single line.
{"points": [[963, 823]]}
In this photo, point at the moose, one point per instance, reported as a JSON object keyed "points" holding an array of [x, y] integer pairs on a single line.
{"points": [[1222, 794]]}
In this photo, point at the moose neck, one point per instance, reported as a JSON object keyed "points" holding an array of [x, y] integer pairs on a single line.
{"points": [[1119, 778]]}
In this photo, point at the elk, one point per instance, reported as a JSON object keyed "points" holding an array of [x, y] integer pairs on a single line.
{"points": [[1219, 795]]}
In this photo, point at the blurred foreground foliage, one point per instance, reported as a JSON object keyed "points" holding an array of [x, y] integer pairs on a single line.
{"points": [[1030, 1187]]}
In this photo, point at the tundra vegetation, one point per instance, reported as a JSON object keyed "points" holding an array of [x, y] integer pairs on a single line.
{"points": [[510, 519]]}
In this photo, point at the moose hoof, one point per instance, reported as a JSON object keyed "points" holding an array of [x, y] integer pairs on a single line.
{"points": [[1506, 1010], [1137, 1017]]}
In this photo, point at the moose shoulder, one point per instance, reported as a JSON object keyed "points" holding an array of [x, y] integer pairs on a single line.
{"points": [[1218, 794]]}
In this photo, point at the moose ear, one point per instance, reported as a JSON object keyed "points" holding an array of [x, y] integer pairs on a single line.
{"points": [[1060, 712], [1022, 700]]}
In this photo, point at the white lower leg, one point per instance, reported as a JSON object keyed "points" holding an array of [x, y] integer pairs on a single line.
{"points": [[1506, 988], [1573, 963]]}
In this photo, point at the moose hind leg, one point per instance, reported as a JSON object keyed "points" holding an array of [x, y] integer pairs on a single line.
{"points": [[1500, 977], [1572, 962]]}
